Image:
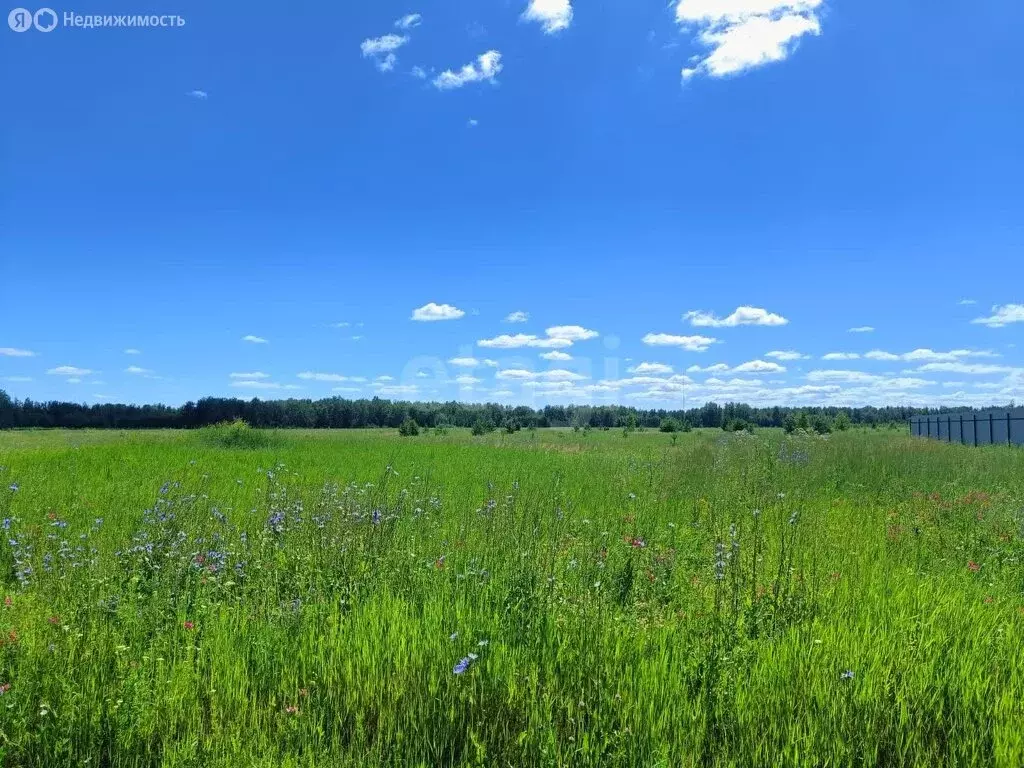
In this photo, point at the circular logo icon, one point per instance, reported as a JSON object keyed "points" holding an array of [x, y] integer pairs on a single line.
{"points": [[20, 20], [45, 20]]}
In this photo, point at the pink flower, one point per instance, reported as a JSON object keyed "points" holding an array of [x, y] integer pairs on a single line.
{"points": [[189, 625]]}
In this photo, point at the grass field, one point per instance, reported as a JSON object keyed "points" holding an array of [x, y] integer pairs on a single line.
{"points": [[548, 598]]}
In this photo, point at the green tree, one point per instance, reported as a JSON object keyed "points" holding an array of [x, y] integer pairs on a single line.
{"points": [[409, 428]]}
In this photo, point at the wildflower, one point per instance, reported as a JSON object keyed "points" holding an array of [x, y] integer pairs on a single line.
{"points": [[54, 620], [484, 643], [453, 635], [14, 487], [4, 688], [304, 692], [439, 563], [7, 523], [464, 664], [292, 710], [8, 602], [847, 675], [988, 600], [792, 518], [973, 567], [638, 543], [189, 625], [376, 517]]}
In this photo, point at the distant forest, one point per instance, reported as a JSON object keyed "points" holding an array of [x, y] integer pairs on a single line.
{"points": [[338, 413]]}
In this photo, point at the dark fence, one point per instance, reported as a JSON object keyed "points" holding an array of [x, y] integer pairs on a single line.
{"points": [[1003, 427]]}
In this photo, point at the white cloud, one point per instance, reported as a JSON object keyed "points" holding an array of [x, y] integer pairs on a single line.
{"points": [[399, 390], [651, 368], [571, 333], [313, 376], [1002, 316], [250, 376], [18, 378], [967, 302], [920, 355], [418, 72], [759, 366], [743, 34], [689, 343], [433, 312], [133, 351], [135, 370], [13, 352], [519, 340], [491, 363], [878, 354], [68, 370], [375, 46], [556, 355], [255, 339], [422, 374], [841, 356], [467, 381], [409, 21], [716, 368], [785, 355], [473, 123], [254, 384], [198, 94], [486, 67], [519, 374], [517, 317], [464, 362], [348, 390], [976, 369], [387, 63], [553, 15], [862, 329], [74, 380], [742, 316]]}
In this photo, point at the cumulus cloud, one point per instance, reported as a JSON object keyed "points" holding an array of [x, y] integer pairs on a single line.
{"points": [[742, 316], [651, 368], [486, 67], [786, 355], [976, 369], [517, 317], [520, 340], [69, 370], [921, 355], [572, 333], [14, 352], [464, 362], [519, 374], [1002, 316], [556, 355], [198, 94], [255, 339], [744, 34], [466, 380], [433, 312], [759, 366], [552, 15], [689, 343], [375, 46], [841, 356]]}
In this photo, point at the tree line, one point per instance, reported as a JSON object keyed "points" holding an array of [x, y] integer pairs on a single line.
{"points": [[339, 413]]}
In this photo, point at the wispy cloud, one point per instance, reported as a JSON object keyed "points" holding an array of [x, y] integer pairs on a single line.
{"points": [[486, 67], [472, 122], [651, 368], [556, 355], [256, 384], [1002, 316], [250, 376], [375, 46], [787, 355], [464, 362], [18, 379], [333, 377], [966, 302], [198, 94], [434, 312], [552, 15], [929, 355], [571, 333], [69, 370], [517, 317], [742, 316], [520, 374], [255, 339], [841, 356], [133, 351], [862, 329], [744, 34], [137, 371], [409, 21], [14, 352], [689, 343]]}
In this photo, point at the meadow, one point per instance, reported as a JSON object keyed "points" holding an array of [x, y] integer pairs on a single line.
{"points": [[547, 598]]}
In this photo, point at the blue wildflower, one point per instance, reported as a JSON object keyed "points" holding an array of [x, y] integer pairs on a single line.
{"points": [[376, 517], [14, 487], [7, 523], [847, 675], [464, 664]]}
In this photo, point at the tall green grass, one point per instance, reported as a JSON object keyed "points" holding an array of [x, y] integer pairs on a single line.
{"points": [[726, 600]]}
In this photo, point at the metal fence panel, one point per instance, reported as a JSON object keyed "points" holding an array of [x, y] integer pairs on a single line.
{"points": [[994, 427]]}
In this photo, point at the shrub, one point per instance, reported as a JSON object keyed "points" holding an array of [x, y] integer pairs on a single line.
{"points": [[409, 428], [236, 434], [481, 427], [669, 425]]}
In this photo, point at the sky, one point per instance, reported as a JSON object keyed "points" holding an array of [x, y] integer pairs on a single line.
{"points": [[793, 202]]}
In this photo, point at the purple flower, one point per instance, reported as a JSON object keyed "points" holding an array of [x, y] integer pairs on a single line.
{"points": [[14, 487], [376, 517], [464, 664], [847, 675]]}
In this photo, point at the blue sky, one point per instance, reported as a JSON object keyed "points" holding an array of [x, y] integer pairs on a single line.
{"points": [[669, 192]]}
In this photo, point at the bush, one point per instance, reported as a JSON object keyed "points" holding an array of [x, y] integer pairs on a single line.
{"points": [[670, 425], [842, 422], [236, 434], [821, 424], [409, 428], [481, 427], [686, 427]]}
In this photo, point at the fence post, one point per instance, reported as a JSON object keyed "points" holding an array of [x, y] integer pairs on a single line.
{"points": [[1008, 441], [975, 415], [929, 425], [949, 429], [961, 428], [991, 431]]}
